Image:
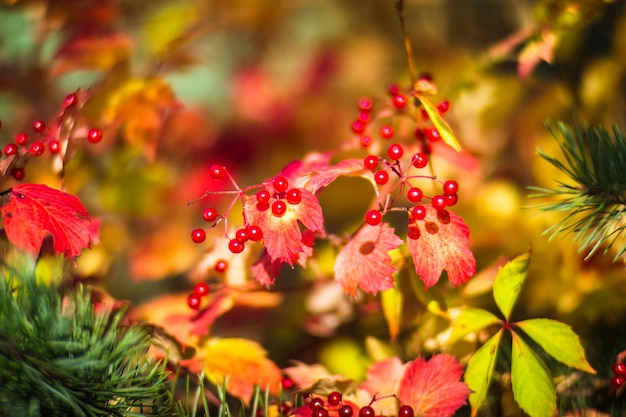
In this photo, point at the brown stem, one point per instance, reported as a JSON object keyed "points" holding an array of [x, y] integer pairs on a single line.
{"points": [[407, 41]]}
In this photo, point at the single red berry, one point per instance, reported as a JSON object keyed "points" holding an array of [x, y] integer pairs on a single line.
{"points": [[420, 160], [450, 187], [399, 101], [70, 100], [393, 89], [334, 399], [18, 174], [367, 411], [279, 208], [94, 135], [619, 369], [262, 206], [21, 139], [55, 146], [319, 412], [280, 184], [451, 199], [364, 116], [373, 217], [316, 402], [307, 397], [617, 381], [198, 235], [235, 246], [370, 162], [193, 301], [37, 148], [217, 171], [358, 126], [381, 177], [242, 235], [201, 288], [10, 149], [39, 126], [418, 212], [263, 196], [419, 134], [255, 233], [438, 202], [443, 107], [345, 411], [386, 131], [286, 382], [366, 141], [293, 196], [405, 411], [209, 214], [395, 151], [221, 265], [414, 195], [432, 134], [365, 104]]}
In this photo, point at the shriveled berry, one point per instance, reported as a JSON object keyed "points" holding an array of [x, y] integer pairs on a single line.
{"points": [[37, 148], [395, 151], [450, 187], [399, 101], [418, 212], [405, 411], [242, 235], [263, 196], [18, 174], [209, 214], [10, 149], [414, 195], [193, 301], [420, 160], [55, 146], [217, 171], [201, 288], [279, 208], [21, 139], [367, 411], [198, 235], [235, 246], [386, 132], [381, 177], [293, 196], [432, 134], [280, 184], [370, 162], [365, 104], [617, 381], [373, 217], [94, 135], [255, 233], [221, 265], [39, 126], [358, 126], [345, 411], [334, 398], [438, 202]]}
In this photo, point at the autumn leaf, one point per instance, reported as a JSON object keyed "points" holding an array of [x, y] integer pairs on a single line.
{"points": [[325, 175], [433, 388], [34, 210], [441, 241], [100, 53], [365, 262], [282, 236], [383, 379]]}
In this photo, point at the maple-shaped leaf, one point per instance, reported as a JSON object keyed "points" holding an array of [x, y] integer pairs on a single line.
{"points": [[433, 388], [365, 262], [33, 211], [265, 271], [282, 236], [441, 241], [383, 380]]}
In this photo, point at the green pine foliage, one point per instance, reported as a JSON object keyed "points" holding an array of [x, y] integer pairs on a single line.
{"points": [[595, 200], [59, 356]]}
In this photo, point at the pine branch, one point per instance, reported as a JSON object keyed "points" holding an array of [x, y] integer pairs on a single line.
{"points": [[595, 199]]}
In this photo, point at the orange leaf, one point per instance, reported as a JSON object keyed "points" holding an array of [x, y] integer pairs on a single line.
{"points": [[365, 262], [93, 53]]}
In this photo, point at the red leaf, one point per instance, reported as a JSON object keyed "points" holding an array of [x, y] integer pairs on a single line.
{"points": [[383, 380], [432, 387], [365, 261], [441, 241], [282, 236], [327, 174], [34, 210]]}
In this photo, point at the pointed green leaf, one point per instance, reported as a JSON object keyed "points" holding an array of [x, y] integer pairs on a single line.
{"points": [[479, 371], [444, 129], [508, 283], [391, 301], [471, 320], [559, 340], [533, 388]]}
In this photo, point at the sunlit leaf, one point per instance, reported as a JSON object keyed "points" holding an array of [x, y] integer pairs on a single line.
{"points": [[509, 282], [469, 321], [447, 135], [391, 301], [383, 379], [480, 370]]}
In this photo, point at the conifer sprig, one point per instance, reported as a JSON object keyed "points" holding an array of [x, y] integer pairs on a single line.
{"points": [[595, 199]]}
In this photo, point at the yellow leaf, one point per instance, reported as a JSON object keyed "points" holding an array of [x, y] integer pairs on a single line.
{"points": [[447, 135]]}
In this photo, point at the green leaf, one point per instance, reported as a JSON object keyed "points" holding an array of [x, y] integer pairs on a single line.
{"points": [[533, 388], [479, 370], [391, 300], [444, 129], [508, 283], [471, 320], [559, 340]]}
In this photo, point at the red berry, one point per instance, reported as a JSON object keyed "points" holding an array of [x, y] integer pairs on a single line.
{"points": [[419, 134], [386, 131], [425, 76], [18, 174], [405, 411], [10, 149], [70, 100], [316, 402], [370, 161], [279, 208], [399, 101], [619, 369], [438, 202], [395, 151], [451, 199], [287, 383], [432, 134], [255, 233], [294, 196], [364, 116], [358, 126], [393, 89], [193, 301], [209, 214], [450, 187], [414, 195], [94, 135], [198, 235], [418, 213], [217, 171], [319, 412], [617, 381], [365, 104], [39, 126], [367, 411], [21, 139], [221, 265], [443, 107], [37, 148], [366, 141], [201, 288], [334, 398], [420, 160], [235, 246], [373, 217], [345, 411], [263, 196], [55, 146], [280, 184], [242, 235], [381, 177]]}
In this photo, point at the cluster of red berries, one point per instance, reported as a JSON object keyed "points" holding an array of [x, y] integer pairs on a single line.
{"points": [[334, 402], [280, 197], [200, 290], [235, 245], [619, 375]]}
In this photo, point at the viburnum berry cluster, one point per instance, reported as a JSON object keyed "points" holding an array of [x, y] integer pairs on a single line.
{"points": [[619, 375], [334, 405]]}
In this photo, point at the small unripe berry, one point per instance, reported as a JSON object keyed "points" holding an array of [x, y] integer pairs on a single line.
{"points": [[198, 235], [94, 135], [373, 217], [381, 177]]}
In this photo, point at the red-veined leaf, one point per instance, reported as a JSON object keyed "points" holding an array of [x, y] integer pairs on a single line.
{"points": [[383, 380], [441, 241]]}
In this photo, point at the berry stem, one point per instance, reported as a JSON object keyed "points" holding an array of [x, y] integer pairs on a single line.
{"points": [[407, 41]]}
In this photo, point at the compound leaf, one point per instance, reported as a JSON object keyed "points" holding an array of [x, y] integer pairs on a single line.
{"points": [[479, 370], [508, 283], [469, 321]]}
